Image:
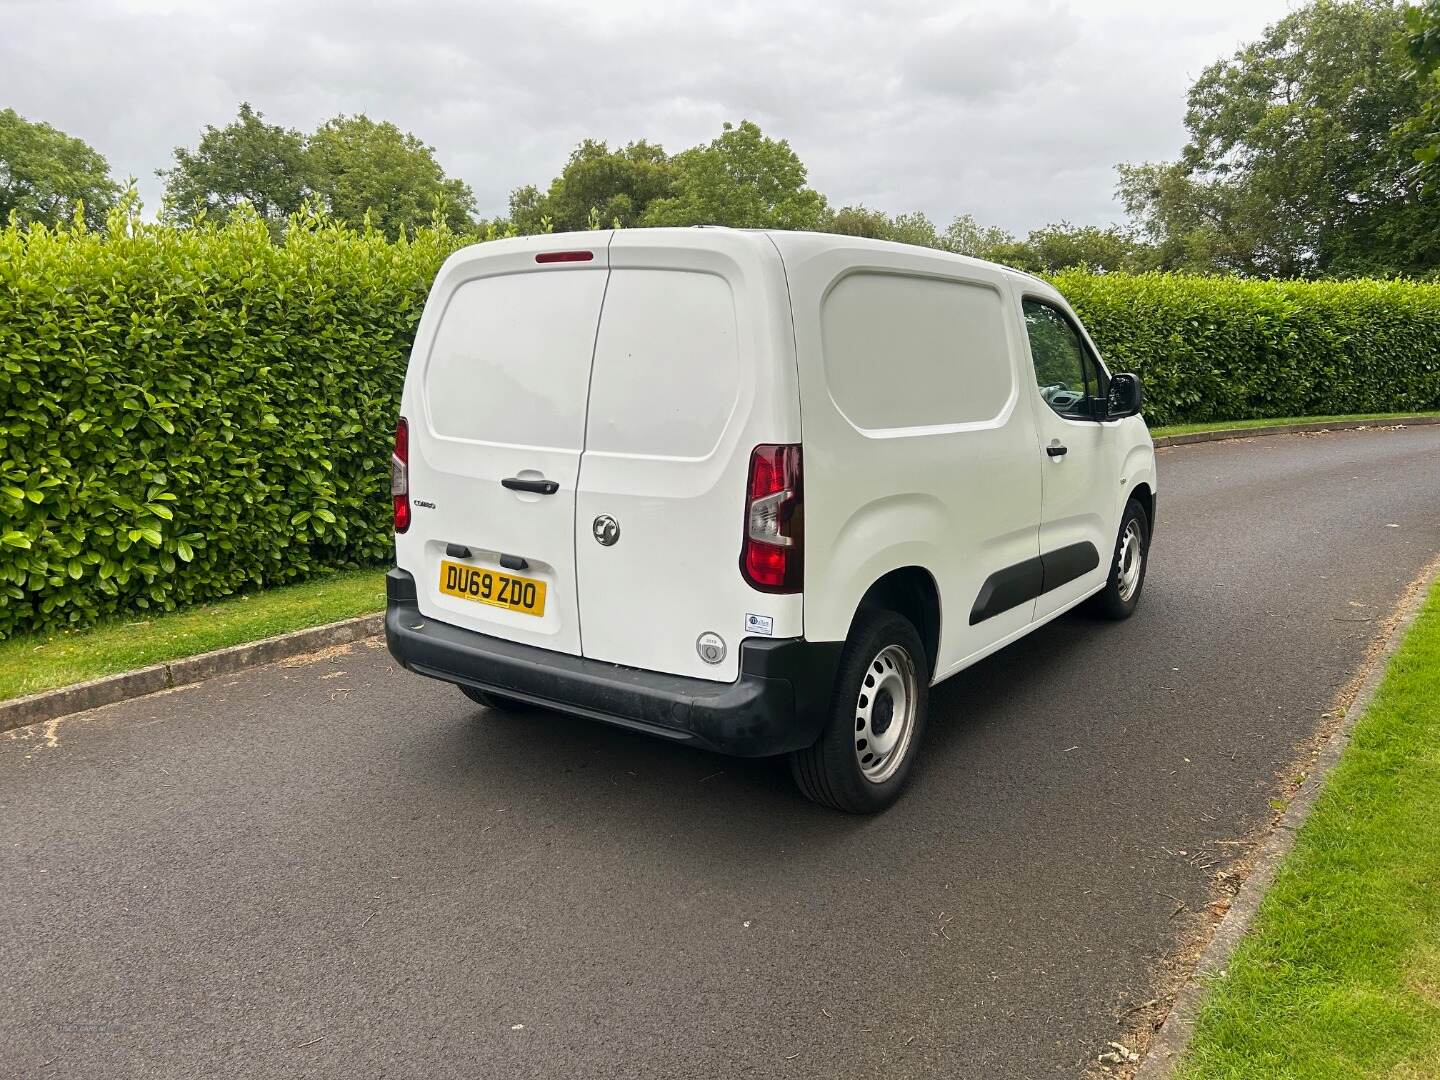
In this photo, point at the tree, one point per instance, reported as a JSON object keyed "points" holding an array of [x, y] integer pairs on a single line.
{"points": [[1059, 247], [352, 165], [913, 228], [1192, 224], [597, 185], [741, 179], [46, 175], [246, 161], [359, 167], [1422, 48], [1291, 168], [527, 211], [1044, 251], [966, 236]]}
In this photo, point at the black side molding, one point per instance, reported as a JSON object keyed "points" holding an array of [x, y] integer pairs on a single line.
{"points": [[1015, 585], [1009, 588], [1064, 565]]}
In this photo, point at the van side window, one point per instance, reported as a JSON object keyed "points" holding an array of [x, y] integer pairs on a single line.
{"points": [[904, 351], [1065, 370]]}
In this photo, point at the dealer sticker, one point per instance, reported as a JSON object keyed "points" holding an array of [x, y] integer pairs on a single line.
{"points": [[760, 624]]}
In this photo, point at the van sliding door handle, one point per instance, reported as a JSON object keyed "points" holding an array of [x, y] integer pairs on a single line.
{"points": [[1057, 450], [539, 487]]}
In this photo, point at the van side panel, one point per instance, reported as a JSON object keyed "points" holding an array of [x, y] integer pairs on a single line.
{"points": [[694, 367], [919, 448]]}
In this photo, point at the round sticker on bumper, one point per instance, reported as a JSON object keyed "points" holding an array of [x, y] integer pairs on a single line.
{"points": [[711, 647]]}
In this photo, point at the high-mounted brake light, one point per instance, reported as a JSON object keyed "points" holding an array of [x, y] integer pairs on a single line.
{"points": [[400, 475], [773, 556], [564, 256]]}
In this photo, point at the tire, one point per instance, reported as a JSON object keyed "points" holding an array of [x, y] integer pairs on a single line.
{"points": [[885, 649], [493, 701], [1121, 594]]}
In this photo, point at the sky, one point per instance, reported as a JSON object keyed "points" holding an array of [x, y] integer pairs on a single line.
{"points": [[1014, 111]]}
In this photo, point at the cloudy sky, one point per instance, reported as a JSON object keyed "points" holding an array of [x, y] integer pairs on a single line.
{"points": [[1015, 111]]}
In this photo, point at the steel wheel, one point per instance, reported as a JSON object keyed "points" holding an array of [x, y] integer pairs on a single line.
{"points": [[885, 714], [1131, 559], [875, 723]]}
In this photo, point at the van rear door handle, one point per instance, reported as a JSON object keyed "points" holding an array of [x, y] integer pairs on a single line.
{"points": [[1057, 450], [539, 487]]}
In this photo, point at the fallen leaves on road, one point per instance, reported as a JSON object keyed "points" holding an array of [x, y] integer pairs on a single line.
{"points": [[329, 653], [1118, 1054]]}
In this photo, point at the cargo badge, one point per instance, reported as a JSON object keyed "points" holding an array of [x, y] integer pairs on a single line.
{"points": [[606, 530]]}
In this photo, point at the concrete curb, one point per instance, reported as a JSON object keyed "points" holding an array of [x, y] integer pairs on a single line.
{"points": [[1289, 429], [50, 704], [1171, 1040]]}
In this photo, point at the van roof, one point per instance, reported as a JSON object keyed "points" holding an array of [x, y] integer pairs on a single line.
{"points": [[809, 243], [788, 243], [806, 243]]}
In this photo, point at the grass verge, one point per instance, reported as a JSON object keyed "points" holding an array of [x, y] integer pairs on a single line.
{"points": [[30, 663], [1241, 425], [1340, 974]]}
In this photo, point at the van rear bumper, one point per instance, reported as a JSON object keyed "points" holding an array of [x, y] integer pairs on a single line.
{"points": [[778, 703]]}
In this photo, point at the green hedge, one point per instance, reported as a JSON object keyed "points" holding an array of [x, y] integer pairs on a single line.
{"points": [[187, 413], [1228, 349]]}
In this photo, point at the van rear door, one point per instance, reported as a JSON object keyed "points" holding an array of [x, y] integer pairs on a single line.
{"points": [[694, 367], [502, 372]]}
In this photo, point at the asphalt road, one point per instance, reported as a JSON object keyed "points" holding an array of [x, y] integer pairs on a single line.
{"points": [[338, 869]]}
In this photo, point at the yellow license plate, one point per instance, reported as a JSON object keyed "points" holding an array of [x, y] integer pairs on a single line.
{"points": [[525, 595]]}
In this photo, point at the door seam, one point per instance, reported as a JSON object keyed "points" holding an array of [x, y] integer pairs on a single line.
{"points": [[584, 444]]}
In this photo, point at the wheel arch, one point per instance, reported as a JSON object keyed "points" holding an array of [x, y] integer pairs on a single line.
{"points": [[910, 591], [1145, 496], [1138, 468]]}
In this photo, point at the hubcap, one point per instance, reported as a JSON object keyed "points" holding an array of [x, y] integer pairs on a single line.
{"points": [[885, 713], [1130, 560]]}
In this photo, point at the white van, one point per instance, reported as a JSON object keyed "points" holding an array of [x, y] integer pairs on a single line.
{"points": [[753, 491]]}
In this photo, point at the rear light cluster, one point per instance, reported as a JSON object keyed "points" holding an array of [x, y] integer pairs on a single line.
{"points": [[772, 559], [400, 475]]}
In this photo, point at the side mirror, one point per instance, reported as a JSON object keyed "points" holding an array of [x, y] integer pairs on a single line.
{"points": [[1125, 396]]}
